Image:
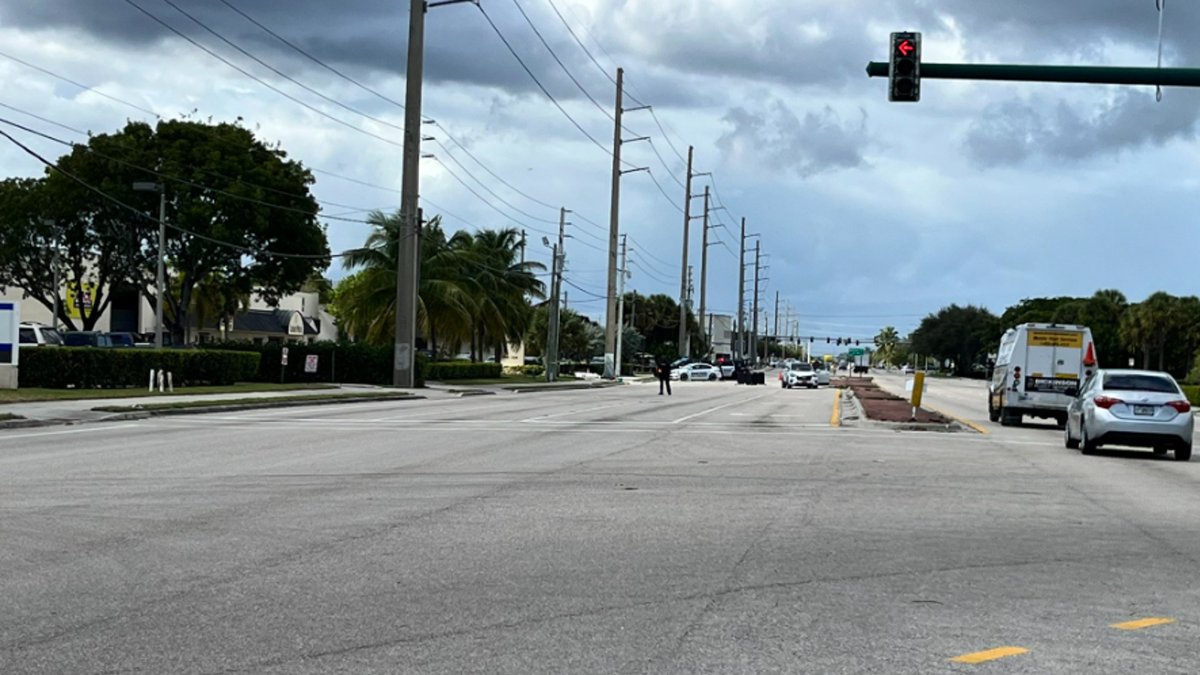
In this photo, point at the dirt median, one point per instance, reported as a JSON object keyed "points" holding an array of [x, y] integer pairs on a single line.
{"points": [[881, 406]]}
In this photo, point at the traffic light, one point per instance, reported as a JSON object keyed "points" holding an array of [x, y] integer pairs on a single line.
{"points": [[856, 343], [904, 68], [839, 342], [826, 340]]}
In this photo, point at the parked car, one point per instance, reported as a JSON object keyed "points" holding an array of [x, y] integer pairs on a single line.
{"points": [[726, 366], [823, 375], [1141, 408], [86, 338], [30, 334], [800, 375], [907, 370], [122, 339], [702, 372]]}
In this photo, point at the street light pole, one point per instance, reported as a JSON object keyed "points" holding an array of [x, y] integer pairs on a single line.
{"points": [[160, 275]]}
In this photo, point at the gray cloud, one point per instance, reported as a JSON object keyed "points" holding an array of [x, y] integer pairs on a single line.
{"points": [[778, 139], [1012, 131]]}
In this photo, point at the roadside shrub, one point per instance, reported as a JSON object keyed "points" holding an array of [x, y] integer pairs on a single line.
{"points": [[533, 371], [89, 368], [1193, 394], [344, 363], [462, 370]]}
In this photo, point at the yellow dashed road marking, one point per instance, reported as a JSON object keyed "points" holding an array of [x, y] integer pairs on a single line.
{"points": [[990, 655], [1142, 623], [835, 420]]}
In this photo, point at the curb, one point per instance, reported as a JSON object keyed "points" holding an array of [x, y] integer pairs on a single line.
{"points": [[521, 389], [201, 410]]}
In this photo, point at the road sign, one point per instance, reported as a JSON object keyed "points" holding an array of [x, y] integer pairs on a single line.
{"points": [[857, 351], [310, 363], [283, 357]]}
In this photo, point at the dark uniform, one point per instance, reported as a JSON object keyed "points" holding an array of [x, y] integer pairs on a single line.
{"points": [[664, 378]]}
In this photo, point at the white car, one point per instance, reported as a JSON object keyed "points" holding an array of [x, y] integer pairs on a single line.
{"points": [[33, 334], [800, 375], [823, 376], [702, 372]]}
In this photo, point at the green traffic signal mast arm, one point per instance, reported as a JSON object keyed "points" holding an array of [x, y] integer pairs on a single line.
{"points": [[1167, 77]]}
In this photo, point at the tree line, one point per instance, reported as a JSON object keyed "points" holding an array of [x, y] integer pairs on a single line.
{"points": [[1162, 332]]}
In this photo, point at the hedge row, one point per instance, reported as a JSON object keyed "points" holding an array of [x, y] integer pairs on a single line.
{"points": [[462, 370], [347, 363], [89, 367], [1192, 393]]}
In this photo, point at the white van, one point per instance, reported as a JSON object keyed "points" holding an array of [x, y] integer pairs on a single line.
{"points": [[1038, 370]]}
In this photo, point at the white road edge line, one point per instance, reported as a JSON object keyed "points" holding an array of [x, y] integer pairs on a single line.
{"points": [[90, 429], [681, 420]]}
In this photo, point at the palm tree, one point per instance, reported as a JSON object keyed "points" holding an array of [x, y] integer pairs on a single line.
{"points": [[365, 303], [473, 287], [504, 286], [886, 341]]}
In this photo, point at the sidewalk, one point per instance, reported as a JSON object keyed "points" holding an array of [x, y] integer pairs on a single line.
{"points": [[68, 412]]}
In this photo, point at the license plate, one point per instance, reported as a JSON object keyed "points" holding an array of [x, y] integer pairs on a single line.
{"points": [[1143, 410]]}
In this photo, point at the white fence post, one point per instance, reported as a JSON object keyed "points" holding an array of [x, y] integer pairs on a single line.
{"points": [[151, 380], [171, 382]]}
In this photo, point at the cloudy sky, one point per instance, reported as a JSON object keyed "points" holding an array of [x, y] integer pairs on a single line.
{"points": [[871, 213]]}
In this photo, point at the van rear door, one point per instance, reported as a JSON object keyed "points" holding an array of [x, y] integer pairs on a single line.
{"points": [[1053, 361]]}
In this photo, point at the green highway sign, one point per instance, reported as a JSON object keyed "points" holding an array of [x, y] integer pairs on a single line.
{"points": [[856, 351]]}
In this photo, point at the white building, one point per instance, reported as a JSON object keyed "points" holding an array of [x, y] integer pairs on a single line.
{"points": [[298, 318]]}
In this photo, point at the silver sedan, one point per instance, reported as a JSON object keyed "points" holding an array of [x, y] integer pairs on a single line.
{"points": [[1141, 408]]}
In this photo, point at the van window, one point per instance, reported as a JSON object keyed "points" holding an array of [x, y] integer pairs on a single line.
{"points": [[27, 337]]}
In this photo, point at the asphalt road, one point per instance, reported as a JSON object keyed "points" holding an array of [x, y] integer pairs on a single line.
{"points": [[724, 529]]}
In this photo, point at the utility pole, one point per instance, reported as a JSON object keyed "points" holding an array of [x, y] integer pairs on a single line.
{"points": [[754, 334], [522, 247], [614, 217], [704, 274], [741, 317], [552, 323], [407, 264], [776, 315], [684, 343], [621, 306]]}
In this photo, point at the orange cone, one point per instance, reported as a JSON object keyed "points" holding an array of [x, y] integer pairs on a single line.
{"points": [[1089, 359]]}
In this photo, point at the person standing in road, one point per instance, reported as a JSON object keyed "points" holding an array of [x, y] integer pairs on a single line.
{"points": [[663, 371]]}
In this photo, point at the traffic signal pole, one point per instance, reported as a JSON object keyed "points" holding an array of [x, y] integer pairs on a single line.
{"points": [[1165, 77]]}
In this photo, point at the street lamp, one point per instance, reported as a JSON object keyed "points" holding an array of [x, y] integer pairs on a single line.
{"points": [[162, 238]]}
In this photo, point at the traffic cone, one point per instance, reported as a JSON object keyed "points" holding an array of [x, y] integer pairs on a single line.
{"points": [[1089, 359]]}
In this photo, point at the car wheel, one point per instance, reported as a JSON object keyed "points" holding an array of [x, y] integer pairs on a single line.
{"points": [[1071, 443], [993, 411], [1183, 453], [783, 385], [683, 378], [712, 378], [1086, 445]]}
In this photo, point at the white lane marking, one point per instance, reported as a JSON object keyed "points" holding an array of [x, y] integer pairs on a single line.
{"points": [[685, 418], [539, 418], [90, 429]]}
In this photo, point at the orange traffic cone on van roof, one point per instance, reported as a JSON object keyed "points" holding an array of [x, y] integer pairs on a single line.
{"points": [[1089, 359]]}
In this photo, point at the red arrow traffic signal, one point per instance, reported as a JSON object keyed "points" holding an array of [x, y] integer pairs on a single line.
{"points": [[906, 48]]}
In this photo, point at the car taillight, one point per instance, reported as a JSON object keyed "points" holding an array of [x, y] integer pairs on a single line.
{"points": [[1106, 402], [1180, 406]]}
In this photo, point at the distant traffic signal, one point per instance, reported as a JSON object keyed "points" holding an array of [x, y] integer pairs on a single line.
{"points": [[904, 68]]}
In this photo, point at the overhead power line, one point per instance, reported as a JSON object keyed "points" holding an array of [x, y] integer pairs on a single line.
{"points": [[259, 80], [538, 82], [279, 72], [81, 86]]}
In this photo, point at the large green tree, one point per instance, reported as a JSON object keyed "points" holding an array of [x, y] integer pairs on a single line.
{"points": [[239, 213], [887, 341], [961, 334]]}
